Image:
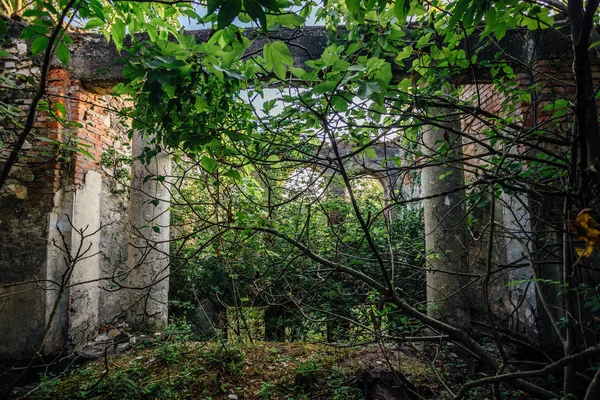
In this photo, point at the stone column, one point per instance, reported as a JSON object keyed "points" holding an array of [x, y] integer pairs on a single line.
{"points": [[148, 254], [445, 222]]}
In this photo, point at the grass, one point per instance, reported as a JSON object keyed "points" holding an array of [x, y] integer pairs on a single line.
{"points": [[210, 370], [170, 369]]}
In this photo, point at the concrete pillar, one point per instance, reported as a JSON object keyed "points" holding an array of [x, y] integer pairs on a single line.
{"points": [[521, 290], [85, 251], [59, 241], [148, 253], [445, 223]]}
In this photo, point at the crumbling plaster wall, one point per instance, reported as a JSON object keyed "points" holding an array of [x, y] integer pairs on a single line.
{"points": [[37, 213]]}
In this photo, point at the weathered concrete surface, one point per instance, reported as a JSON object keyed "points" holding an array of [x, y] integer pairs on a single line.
{"points": [[23, 232], [114, 214], [96, 61], [149, 218], [25, 204], [522, 295], [37, 215], [59, 242], [85, 250], [445, 223], [113, 247]]}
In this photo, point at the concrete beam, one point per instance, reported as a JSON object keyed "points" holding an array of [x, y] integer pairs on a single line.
{"points": [[97, 62]]}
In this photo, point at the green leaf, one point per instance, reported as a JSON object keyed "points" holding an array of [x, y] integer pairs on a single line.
{"points": [[233, 174], [200, 104], [370, 152], [40, 44], [401, 8], [404, 84], [423, 40], [353, 6], [212, 6], [234, 74], [169, 90], [500, 30], [405, 53], [458, 11], [353, 47], [445, 174], [117, 31], [33, 32], [298, 72], [227, 13], [256, 12], [93, 23], [36, 13], [384, 74], [289, 20], [4, 53], [366, 89], [341, 65], [558, 104], [97, 9], [325, 87], [236, 137], [525, 98], [339, 103], [358, 67], [591, 46], [277, 54], [156, 228], [270, 4], [63, 53], [208, 164], [3, 27]]}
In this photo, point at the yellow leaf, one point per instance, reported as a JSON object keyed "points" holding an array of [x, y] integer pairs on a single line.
{"points": [[584, 252], [587, 230]]}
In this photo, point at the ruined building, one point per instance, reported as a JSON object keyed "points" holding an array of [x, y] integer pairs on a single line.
{"points": [[73, 225]]}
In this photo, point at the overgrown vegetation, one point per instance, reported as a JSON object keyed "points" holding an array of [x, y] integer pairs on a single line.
{"points": [[271, 211], [184, 370]]}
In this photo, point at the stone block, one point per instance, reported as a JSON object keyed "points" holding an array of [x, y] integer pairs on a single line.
{"points": [[19, 191], [21, 49]]}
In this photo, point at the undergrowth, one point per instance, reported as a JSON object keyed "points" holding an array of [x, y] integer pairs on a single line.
{"points": [[212, 370]]}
